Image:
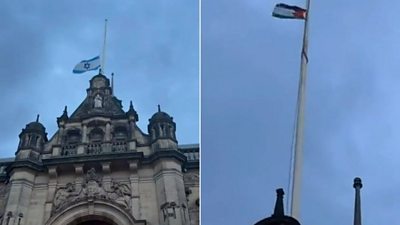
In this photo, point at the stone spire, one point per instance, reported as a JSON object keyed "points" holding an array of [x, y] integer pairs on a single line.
{"points": [[357, 205], [132, 114], [63, 118]]}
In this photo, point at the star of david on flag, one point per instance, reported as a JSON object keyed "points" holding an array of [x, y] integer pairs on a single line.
{"points": [[86, 65]]}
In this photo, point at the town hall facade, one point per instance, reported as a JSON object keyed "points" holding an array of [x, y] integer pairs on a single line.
{"points": [[100, 168]]}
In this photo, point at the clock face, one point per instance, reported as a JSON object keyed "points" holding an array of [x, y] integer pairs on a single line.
{"points": [[97, 83]]}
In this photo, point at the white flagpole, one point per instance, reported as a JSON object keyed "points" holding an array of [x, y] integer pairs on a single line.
{"points": [[301, 98], [103, 55]]}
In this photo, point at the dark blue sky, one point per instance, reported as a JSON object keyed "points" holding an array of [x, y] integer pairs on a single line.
{"points": [[152, 48], [250, 71]]}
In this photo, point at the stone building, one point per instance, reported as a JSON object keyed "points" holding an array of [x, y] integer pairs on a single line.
{"points": [[100, 168]]}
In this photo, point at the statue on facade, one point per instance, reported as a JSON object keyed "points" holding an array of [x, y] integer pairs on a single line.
{"points": [[98, 101]]}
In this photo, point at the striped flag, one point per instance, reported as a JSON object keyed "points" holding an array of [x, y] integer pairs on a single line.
{"points": [[289, 12]]}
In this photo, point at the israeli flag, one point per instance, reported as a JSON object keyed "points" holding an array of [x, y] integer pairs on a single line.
{"points": [[86, 65]]}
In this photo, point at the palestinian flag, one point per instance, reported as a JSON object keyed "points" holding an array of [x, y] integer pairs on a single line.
{"points": [[289, 12]]}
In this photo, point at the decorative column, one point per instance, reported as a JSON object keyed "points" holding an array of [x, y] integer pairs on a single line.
{"points": [[60, 134], [106, 173], [84, 140], [108, 131], [84, 134], [78, 174], [132, 139], [52, 187], [107, 138], [134, 180]]}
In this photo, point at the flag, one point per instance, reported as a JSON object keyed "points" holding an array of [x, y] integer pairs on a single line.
{"points": [[289, 12], [86, 65]]}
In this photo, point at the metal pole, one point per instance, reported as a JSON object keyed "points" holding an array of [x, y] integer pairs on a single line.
{"points": [[357, 205], [103, 57], [301, 98]]}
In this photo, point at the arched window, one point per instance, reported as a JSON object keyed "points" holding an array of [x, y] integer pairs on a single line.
{"points": [[96, 135], [120, 133], [73, 136]]}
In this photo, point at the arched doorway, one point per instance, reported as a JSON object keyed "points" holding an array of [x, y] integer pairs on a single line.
{"points": [[98, 212], [92, 220]]}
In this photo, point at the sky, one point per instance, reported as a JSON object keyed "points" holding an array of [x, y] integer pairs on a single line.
{"points": [[152, 47], [250, 71]]}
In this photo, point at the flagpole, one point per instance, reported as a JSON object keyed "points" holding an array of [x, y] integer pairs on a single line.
{"points": [[103, 55], [301, 98]]}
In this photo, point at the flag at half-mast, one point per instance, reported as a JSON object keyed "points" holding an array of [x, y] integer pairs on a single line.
{"points": [[289, 12], [86, 65]]}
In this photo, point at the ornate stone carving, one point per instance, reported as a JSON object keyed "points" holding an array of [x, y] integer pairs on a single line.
{"points": [[169, 209], [65, 195], [91, 189], [120, 193], [191, 178], [92, 176]]}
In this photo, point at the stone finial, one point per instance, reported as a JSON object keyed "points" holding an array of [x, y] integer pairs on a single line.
{"points": [[159, 108], [279, 211], [130, 105]]}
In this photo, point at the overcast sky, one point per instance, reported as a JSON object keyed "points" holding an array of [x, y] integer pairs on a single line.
{"points": [[250, 71], [152, 47]]}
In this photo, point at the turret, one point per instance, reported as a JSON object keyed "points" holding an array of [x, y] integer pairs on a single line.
{"points": [[32, 140], [161, 129]]}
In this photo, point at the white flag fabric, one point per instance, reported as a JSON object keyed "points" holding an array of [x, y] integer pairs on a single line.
{"points": [[86, 65]]}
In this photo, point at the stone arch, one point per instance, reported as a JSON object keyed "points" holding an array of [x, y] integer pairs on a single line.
{"points": [[98, 210], [73, 136], [120, 133], [96, 134]]}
